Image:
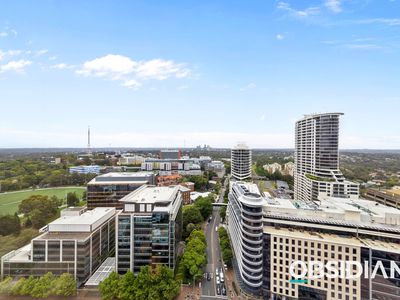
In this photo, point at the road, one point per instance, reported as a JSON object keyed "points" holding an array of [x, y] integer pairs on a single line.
{"points": [[213, 252]]}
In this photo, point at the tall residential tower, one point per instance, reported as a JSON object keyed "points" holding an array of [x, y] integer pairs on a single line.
{"points": [[241, 162], [317, 159]]}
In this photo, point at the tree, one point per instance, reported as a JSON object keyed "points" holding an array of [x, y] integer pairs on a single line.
{"points": [[16, 290], [126, 288], [39, 209], [5, 286], [10, 224], [65, 285], [222, 213], [72, 199], [109, 287], [194, 257], [165, 286], [43, 286], [191, 214], [205, 206], [143, 284], [28, 286]]}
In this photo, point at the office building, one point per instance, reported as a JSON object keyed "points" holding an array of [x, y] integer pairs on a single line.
{"points": [[170, 154], [85, 169], [185, 192], [131, 160], [245, 229], [216, 166], [317, 159], [241, 162], [105, 190], [172, 166], [76, 243], [353, 230], [149, 228]]}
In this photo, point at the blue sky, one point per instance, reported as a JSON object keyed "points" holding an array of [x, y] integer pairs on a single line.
{"points": [[158, 73]]}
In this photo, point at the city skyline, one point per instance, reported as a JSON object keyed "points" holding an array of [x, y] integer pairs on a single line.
{"points": [[188, 76]]}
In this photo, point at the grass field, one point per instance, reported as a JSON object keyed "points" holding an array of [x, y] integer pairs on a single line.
{"points": [[9, 201]]}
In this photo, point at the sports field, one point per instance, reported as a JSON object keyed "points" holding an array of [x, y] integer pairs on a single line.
{"points": [[9, 201]]}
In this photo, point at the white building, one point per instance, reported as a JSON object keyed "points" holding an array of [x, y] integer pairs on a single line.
{"points": [[317, 159], [241, 162], [131, 160], [272, 168], [85, 169], [288, 168], [245, 229]]}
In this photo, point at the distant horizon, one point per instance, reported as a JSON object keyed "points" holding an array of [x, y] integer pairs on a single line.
{"points": [[82, 149]]}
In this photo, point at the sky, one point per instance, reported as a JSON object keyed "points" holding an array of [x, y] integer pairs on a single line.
{"points": [[184, 73]]}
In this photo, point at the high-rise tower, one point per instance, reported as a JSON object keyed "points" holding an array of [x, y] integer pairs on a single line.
{"points": [[89, 150], [317, 159], [241, 162]]}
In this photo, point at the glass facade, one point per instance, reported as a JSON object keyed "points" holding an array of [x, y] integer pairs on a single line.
{"points": [[55, 253]]}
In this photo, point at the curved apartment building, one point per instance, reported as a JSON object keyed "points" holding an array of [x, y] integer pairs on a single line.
{"points": [[241, 162], [245, 226], [317, 159]]}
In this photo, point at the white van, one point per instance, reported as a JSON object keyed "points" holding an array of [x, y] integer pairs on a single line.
{"points": [[221, 276]]}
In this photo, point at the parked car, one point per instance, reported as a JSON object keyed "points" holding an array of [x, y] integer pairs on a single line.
{"points": [[208, 276], [217, 280], [221, 276], [223, 289], [218, 290]]}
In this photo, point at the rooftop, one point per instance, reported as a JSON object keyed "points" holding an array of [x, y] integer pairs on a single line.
{"points": [[85, 222], [333, 238], [151, 194], [122, 177], [350, 212]]}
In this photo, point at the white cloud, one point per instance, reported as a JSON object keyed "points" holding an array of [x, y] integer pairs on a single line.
{"points": [[307, 12], [161, 69], [333, 5], [384, 21], [249, 86], [108, 65], [280, 36], [132, 84], [131, 72], [3, 34], [41, 52], [362, 46], [262, 118], [53, 57], [62, 66], [15, 65]]}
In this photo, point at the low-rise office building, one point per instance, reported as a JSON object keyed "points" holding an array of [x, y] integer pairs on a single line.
{"points": [[76, 243], [106, 190], [149, 228]]}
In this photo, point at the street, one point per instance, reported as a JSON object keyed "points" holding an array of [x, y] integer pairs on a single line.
{"points": [[213, 253]]}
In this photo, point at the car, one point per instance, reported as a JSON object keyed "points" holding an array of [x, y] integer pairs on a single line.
{"points": [[216, 271], [217, 280], [208, 276], [218, 290], [221, 276], [209, 219], [223, 290]]}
